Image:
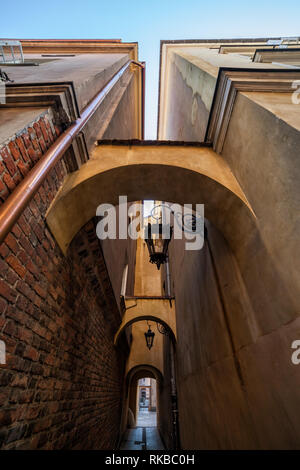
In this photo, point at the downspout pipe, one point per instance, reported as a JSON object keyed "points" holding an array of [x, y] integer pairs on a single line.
{"points": [[142, 65], [16, 203]]}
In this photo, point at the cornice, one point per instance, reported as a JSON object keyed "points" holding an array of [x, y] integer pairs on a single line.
{"points": [[79, 46], [278, 55], [60, 97], [166, 46], [229, 83]]}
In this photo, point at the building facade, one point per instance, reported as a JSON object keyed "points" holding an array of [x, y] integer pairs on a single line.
{"points": [[74, 309]]}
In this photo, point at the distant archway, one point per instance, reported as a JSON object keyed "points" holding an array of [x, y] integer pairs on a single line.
{"points": [[157, 310], [131, 380]]}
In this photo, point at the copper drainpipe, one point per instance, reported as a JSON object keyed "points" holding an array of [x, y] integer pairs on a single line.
{"points": [[15, 204], [143, 67]]}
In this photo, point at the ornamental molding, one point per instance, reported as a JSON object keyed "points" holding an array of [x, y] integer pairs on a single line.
{"points": [[229, 83]]}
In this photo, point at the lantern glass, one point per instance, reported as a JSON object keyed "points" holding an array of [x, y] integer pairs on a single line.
{"points": [[158, 244], [157, 237], [149, 338]]}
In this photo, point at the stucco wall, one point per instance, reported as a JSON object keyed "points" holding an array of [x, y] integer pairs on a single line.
{"points": [[237, 306], [190, 93], [237, 388], [263, 152]]}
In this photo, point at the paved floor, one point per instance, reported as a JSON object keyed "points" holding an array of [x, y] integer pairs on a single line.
{"points": [[145, 435], [142, 439], [146, 418]]}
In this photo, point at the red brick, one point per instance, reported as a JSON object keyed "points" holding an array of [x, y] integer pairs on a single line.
{"points": [[7, 292], [33, 154], [18, 315], [31, 133], [25, 335], [40, 291], [31, 353], [56, 348], [37, 301], [37, 129], [2, 186], [4, 193], [20, 381], [11, 277], [3, 307], [50, 360], [9, 181], [17, 178], [26, 396], [3, 398], [39, 232], [37, 148], [9, 163], [34, 209], [57, 130], [22, 302], [10, 328], [44, 130], [23, 168], [23, 257], [24, 289], [3, 267], [5, 418], [42, 424], [14, 150], [42, 144], [5, 153], [17, 231], [33, 412], [32, 268], [24, 225], [12, 243], [4, 250], [16, 265], [26, 140], [20, 144]]}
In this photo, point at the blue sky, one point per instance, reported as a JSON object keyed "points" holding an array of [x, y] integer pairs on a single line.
{"points": [[147, 22]]}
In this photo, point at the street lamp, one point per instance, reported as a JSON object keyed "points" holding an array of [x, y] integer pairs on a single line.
{"points": [[157, 238], [149, 335]]}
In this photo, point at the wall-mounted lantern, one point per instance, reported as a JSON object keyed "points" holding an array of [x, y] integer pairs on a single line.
{"points": [[157, 238], [149, 335]]}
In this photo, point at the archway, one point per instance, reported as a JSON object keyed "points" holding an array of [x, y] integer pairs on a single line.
{"points": [[131, 400], [145, 173], [157, 310], [181, 174]]}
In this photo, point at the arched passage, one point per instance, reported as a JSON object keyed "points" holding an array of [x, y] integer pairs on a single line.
{"points": [[130, 400], [188, 175], [141, 369], [180, 174], [157, 310]]}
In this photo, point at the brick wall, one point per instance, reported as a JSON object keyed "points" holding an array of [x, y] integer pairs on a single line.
{"points": [[62, 384], [20, 154]]}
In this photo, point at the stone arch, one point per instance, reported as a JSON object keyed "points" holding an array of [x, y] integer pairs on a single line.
{"points": [[140, 369], [180, 174], [132, 377], [157, 310]]}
